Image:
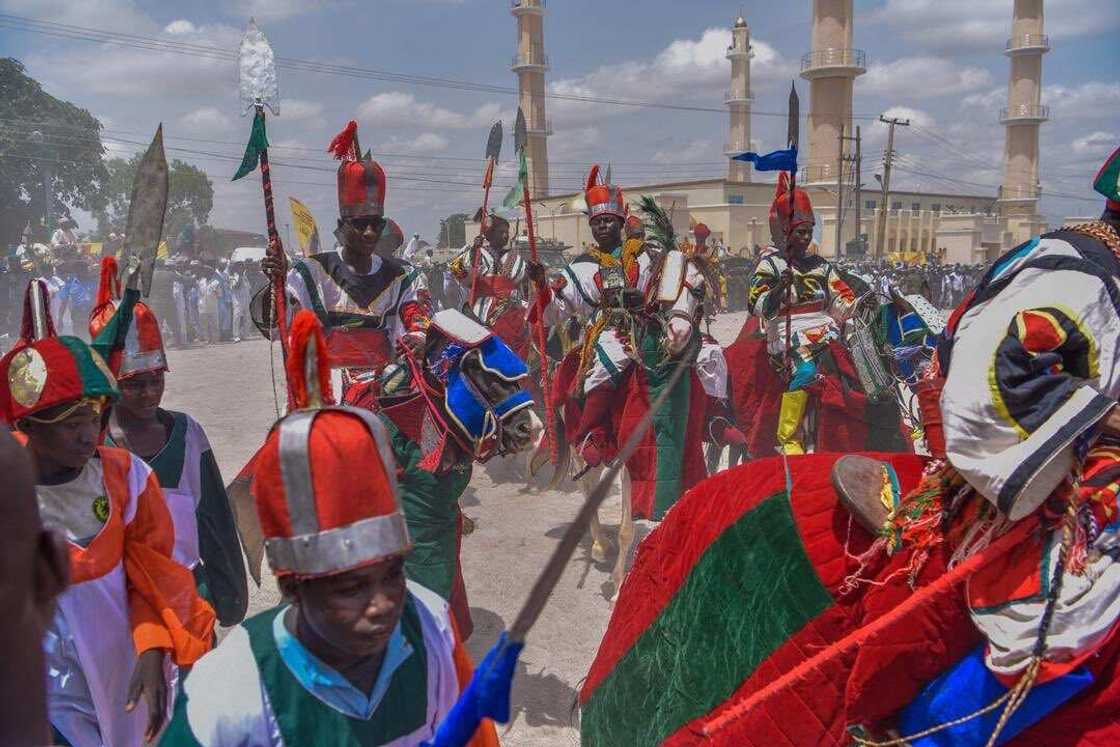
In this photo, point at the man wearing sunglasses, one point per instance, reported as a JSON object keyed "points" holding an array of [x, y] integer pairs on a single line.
{"points": [[366, 301]]}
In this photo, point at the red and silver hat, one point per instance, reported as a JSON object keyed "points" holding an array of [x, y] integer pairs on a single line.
{"points": [[784, 216], [140, 349], [601, 198], [325, 482], [44, 370], [361, 180]]}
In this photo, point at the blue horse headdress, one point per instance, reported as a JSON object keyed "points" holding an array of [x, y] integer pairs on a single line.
{"points": [[477, 418]]}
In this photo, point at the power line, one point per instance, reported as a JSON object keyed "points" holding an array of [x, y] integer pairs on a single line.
{"points": [[84, 33]]}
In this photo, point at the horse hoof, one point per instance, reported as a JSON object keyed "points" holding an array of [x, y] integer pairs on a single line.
{"points": [[468, 525], [598, 552]]}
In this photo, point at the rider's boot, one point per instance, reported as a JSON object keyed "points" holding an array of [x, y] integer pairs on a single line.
{"points": [[591, 436], [789, 418]]}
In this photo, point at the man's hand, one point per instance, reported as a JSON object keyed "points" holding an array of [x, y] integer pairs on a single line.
{"points": [[536, 271], [413, 343], [275, 264], [1111, 423], [477, 243], [148, 681]]}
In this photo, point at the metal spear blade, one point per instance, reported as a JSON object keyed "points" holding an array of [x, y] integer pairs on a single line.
{"points": [[256, 66], [794, 125], [520, 132], [494, 142], [146, 211]]}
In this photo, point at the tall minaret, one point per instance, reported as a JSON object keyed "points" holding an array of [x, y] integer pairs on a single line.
{"points": [[831, 69], [530, 63], [1024, 112], [738, 100]]}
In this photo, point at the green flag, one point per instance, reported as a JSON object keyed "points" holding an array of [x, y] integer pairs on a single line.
{"points": [[517, 193], [258, 142], [1107, 181]]}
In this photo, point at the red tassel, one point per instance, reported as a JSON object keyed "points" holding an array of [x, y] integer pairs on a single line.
{"points": [[306, 330], [343, 144], [593, 176], [109, 287]]}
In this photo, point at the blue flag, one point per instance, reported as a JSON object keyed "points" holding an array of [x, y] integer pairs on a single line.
{"points": [[779, 160]]}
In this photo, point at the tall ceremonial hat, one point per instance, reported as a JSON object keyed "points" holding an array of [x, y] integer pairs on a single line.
{"points": [[129, 331], [1107, 181], [603, 198], [784, 217], [44, 370], [701, 231], [325, 483], [361, 180]]}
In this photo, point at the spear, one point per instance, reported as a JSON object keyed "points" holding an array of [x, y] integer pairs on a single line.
{"points": [[792, 136], [146, 210], [493, 150], [257, 68], [520, 141]]}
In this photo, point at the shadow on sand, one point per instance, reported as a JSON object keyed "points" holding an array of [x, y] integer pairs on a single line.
{"points": [[540, 699]]}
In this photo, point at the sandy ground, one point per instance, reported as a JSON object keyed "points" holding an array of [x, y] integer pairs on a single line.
{"points": [[228, 388]]}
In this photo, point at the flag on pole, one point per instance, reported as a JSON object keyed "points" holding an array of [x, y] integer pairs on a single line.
{"points": [[258, 142], [517, 193], [307, 232], [779, 160]]}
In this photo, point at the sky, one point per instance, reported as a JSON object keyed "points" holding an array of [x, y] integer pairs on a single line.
{"points": [[937, 62]]}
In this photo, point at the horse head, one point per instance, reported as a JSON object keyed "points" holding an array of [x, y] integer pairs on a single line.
{"points": [[478, 384]]}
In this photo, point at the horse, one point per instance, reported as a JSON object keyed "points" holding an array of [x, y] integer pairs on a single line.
{"points": [[458, 401]]}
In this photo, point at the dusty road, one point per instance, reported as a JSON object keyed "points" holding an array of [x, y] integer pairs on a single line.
{"points": [[228, 389]]}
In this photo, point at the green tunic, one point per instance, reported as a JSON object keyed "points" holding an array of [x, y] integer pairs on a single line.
{"points": [[431, 507]]}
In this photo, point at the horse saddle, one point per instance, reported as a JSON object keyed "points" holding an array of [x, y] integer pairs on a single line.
{"points": [[868, 488]]}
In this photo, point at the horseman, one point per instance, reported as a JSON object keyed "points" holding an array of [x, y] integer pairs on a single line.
{"points": [[366, 301], [604, 287], [631, 314], [799, 298], [493, 278]]}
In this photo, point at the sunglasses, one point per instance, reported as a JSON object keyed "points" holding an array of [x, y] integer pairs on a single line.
{"points": [[361, 224]]}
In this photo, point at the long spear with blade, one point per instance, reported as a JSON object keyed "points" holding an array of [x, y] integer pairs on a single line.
{"points": [[520, 143], [146, 210], [487, 695], [258, 88], [493, 151], [793, 128]]}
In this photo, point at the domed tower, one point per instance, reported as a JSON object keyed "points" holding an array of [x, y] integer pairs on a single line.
{"points": [[530, 63], [738, 100], [1024, 113], [831, 69]]}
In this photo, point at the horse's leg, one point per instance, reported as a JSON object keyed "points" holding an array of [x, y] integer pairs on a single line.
{"points": [[625, 536], [599, 541]]}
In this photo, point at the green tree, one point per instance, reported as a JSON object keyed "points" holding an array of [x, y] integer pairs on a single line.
{"points": [[453, 230], [190, 195], [44, 140]]}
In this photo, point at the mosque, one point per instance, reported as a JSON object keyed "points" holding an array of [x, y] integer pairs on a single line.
{"points": [[965, 228]]}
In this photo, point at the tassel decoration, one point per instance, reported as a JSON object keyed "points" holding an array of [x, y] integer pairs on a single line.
{"points": [[308, 369]]}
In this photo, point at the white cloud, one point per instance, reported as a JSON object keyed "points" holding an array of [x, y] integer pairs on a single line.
{"points": [[984, 24], [181, 26], [1094, 99], [1097, 143], [687, 68], [922, 76], [114, 15], [690, 152], [109, 70], [295, 110], [278, 10], [425, 142], [399, 109], [206, 120]]}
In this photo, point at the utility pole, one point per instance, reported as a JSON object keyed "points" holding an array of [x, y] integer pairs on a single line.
{"points": [[853, 173], [859, 192], [840, 194], [888, 157]]}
